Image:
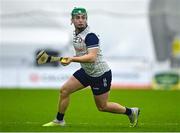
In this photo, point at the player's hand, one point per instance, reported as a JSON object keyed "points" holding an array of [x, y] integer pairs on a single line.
{"points": [[66, 61]]}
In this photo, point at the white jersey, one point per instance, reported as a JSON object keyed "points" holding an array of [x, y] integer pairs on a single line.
{"points": [[88, 40]]}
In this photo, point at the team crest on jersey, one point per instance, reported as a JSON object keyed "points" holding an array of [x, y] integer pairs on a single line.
{"points": [[78, 40], [78, 43]]}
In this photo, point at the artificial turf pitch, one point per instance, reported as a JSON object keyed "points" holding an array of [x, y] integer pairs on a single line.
{"points": [[26, 110]]}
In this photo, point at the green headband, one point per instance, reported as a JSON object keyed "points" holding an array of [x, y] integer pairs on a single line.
{"points": [[78, 10]]}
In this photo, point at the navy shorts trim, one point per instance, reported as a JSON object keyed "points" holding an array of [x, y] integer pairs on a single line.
{"points": [[99, 85]]}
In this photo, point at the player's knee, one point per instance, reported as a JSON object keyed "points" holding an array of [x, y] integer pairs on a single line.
{"points": [[102, 108], [64, 92]]}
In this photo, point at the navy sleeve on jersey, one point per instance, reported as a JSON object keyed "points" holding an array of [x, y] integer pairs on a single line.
{"points": [[91, 40]]}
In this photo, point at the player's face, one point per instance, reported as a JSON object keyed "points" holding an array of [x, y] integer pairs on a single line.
{"points": [[79, 21]]}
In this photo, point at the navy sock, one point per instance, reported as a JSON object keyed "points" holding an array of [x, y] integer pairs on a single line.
{"points": [[60, 116], [128, 111]]}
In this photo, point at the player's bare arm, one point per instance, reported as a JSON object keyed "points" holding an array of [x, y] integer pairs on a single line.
{"points": [[87, 58]]}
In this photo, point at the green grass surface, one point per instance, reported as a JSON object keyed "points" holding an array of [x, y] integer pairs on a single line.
{"points": [[27, 110]]}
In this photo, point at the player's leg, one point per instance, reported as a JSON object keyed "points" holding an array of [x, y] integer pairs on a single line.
{"points": [[103, 104], [74, 83], [69, 87], [100, 87]]}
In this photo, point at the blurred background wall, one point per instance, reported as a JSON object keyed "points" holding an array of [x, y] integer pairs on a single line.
{"points": [[165, 25], [140, 38]]}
